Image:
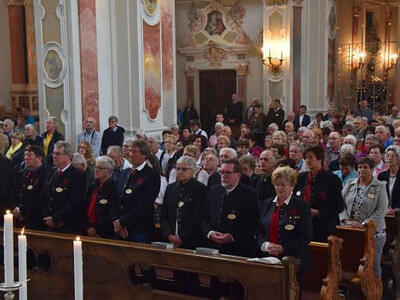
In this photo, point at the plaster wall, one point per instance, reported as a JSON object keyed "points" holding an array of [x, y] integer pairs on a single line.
{"points": [[5, 70]]}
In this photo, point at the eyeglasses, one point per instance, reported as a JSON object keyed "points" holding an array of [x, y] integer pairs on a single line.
{"points": [[100, 168], [55, 153]]}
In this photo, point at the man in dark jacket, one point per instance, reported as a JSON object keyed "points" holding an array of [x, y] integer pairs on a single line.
{"points": [[113, 135], [180, 216], [276, 114], [302, 119], [64, 193], [28, 190]]}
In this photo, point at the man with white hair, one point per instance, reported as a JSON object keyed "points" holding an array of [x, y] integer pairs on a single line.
{"points": [[359, 126], [79, 163], [350, 139], [224, 154], [90, 135], [31, 137], [308, 138], [262, 183], [154, 142], [332, 152], [122, 168], [296, 153], [383, 134], [394, 114], [8, 127]]}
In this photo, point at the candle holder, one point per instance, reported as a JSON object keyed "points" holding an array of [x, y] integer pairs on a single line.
{"points": [[9, 289]]}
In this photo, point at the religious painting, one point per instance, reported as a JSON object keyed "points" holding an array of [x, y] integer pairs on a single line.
{"points": [[53, 65], [167, 47], [215, 24], [150, 6], [152, 68]]}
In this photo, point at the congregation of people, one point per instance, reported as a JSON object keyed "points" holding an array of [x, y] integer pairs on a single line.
{"points": [[255, 184]]}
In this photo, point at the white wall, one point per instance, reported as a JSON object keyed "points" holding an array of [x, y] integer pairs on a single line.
{"points": [[5, 70]]}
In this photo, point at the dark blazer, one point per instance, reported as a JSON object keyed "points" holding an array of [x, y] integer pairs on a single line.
{"points": [[63, 199], [394, 201], [18, 158], [192, 197], [235, 213], [137, 201], [326, 197], [111, 138], [214, 179], [305, 122], [38, 141], [264, 187], [294, 240], [107, 208], [56, 137], [276, 116], [28, 193]]}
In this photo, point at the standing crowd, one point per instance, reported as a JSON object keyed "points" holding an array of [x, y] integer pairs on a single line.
{"points": [[253, 185]]}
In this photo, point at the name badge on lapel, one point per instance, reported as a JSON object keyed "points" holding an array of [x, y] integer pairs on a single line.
{"points": [[128, 191], [371, 195], [29, 187], [289, 227], [59, 189], [231, 217], [103, 201], [181, 204]]}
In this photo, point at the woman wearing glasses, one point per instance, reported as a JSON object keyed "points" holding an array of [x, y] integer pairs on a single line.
{"points": [[102, 201]]}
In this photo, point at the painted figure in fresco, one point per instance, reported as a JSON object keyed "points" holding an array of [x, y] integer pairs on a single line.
{"points": [[215, 24]]}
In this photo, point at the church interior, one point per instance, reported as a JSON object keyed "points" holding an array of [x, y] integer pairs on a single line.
{"points": [[146, 61]]}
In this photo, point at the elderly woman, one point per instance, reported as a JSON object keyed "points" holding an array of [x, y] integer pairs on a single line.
{"points": [[322, 189], [85, 148], [366, 200], [180, 215], [285, 221], [223, 142], [16, 151], [248, 164], [392, 177], [102, 201], [363, 151]]}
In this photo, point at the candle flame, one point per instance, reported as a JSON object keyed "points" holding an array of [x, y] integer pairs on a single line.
{"points": [[23, 231], [78, 238], [8, 212]]}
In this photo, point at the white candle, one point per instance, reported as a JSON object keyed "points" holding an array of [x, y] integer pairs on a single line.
{"points": [[8, 243], [78, 272], [22, 247]]}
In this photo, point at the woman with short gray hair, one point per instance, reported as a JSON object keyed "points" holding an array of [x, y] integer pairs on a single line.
{"points": [[102, 201]]}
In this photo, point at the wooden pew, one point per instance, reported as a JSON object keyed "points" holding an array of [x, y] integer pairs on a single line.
{"points": [[391, 251], [107, 270], [322, 281], [357, 259]]}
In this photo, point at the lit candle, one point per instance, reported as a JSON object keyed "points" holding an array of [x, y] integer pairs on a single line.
{"points": [[281, 54], [78, 272], [269, 52], [23, 291], [8, 244]]}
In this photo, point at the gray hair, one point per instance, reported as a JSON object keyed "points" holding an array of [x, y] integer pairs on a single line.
{"points": [[155, 137], [249, 160], [232, 152], [174, 126], [302, 129], [219, 124], [349, 126], [115, 149], [273, 126], [352, 138], [107, 161], [54, 119], [394, 148], [30, 126], [9, 122], [347, 148], [385, 128], [129, 141], [113, 119], [78, 159], [298, 146], [373, 138], [68, 150], [309, 130], [189, 162]]}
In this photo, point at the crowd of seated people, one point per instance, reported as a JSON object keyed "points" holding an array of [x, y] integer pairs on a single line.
{"points": [[267, 187]]}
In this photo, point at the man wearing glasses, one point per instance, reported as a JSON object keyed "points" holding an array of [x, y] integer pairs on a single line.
{"points": [[64, 193]]}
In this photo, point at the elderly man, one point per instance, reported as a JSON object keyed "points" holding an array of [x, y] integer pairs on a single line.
{"points": [[154, 145], [210, 164], [227, 131], [394, 114], [102, 205], [383, 134], [90, 135], [113, 135], [31, 137], [180, 216], [79, 163], [64, 192], [289, 127], [296, 153], [224, 154], [359, 127], [308, 138], [262, 183], [50, 138], [365, 111], [290, 118], [332, 152], [8, 127], [29, 188], [122, 168], [276, 114]]}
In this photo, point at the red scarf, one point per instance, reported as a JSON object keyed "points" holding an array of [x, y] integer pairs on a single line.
{"points": [[91, 213]]}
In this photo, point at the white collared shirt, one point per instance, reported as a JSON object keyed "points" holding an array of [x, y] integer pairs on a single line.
{"points": [[63, 170], [140, 168]]}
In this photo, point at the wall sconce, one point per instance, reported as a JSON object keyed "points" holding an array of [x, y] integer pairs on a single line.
{"points": [[392, 61], [274, 63]]}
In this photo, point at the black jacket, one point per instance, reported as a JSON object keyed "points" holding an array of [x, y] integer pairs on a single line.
{"points": [[137, 201], [55, 138], [107, 208], [306, 121], [111, 138], [235, 213], [186, 203], [37, 141], [294, 238], [394, 201], [326, 197], [214, 179], [63, 199], [264, 187], [28, 193], [276, 116]]}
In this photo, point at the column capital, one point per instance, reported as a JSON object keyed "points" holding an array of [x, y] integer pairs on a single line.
{"points": [[190, 72], [15, 2], [242, 70]]}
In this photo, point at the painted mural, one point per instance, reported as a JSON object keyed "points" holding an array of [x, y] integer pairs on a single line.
{"points": [[152, 68], [167, 49]]}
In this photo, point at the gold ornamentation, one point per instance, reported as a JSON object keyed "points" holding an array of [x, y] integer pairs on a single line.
{"points": [[214, 54], [150, 6], [190, 72], [242, 70]]}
